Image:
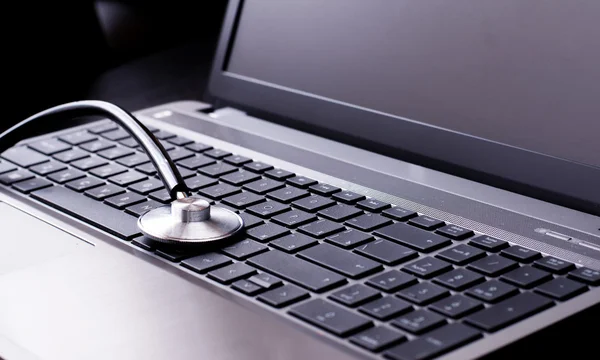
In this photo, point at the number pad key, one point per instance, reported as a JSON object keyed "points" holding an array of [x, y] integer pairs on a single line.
{"points": [[561, 288], [493, 265], [526, 277], [521, 254], [554, 265]]}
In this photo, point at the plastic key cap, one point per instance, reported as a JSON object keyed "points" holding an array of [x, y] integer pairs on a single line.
{"points": [[70, 155], [23, 156], [368, 222], [293, 242], [206, 262], [355, 295], [386, 308], [15, 176], [283, 296], [413, 237], [349, 238], [377, 338], [344, 262], [294, 218], [31, 185], [419, 321], [330, 317], [561, 288], [392, 281], [102, 192]]}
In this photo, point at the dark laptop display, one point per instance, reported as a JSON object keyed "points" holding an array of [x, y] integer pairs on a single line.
{"points": [[505, 72]]}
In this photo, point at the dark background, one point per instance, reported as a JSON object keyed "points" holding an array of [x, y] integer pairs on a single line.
{"points": [[133, 53]]}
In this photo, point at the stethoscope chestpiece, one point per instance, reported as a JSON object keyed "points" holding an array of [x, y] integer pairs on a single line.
{"points": [[190, 221]]}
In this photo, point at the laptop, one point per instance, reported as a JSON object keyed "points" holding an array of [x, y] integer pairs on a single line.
{"points": [[416, 181]]}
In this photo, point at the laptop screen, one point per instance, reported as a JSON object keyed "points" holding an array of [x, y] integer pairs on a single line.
{"points": [[517, 72]]}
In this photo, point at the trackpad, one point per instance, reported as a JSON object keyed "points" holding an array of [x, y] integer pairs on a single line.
{"points": [[27, 241]]}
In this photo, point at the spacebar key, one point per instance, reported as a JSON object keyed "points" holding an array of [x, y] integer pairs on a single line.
{"points": [[301, 272], [89, 210]]}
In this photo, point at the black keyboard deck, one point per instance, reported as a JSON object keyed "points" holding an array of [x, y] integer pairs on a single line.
{"points": [[394, 282]]}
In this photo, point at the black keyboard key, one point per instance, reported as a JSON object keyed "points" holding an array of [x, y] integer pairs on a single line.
{"points": [[258, 167], [586, 275], [217, 170], [250, 220], [263, 186], [70, 155], [340, 212], [5, 166], [237, 160], [108, 170], [386, 308], [102, 192], [348, 197], [244, 249], [216, 153], [301, 181], [162, 196], [489, 243], [129, 142], [180, 154], [200, 181], [287, 194], [206, 262], [279, 174], [457, 306], [344, 262], [377, 338], [423, 293], [349, 238], [219, 191], [78, 137], [266, 281], [330, 317], [267, 232], [124, 200], [554, 265], [368, 222], [461, 254], [198, 147], [243, 199], [392, 281], [23, 156], [294, 218], [324, 189], [426, 222], [521, 254], [167, 146], [301, 272], [313, 203], [386, 252], [196, 162], [142, 208], [148, 169], [45, 168], [173, 254], [115, 153], [231, 273], [492, 291], [526, 277], [84, 184], [509, 311], [89, 163], [49, 146], [147, 186], [15, 176], [413, 237], [246, 287], [64, 176], [373, 205], [427, 267], [115, 135], [88, 210], [355, 295], [134, 160], [108, 126], [179, 141], [283, 296], [321, 228], [435, 343], [293, 243], [27, 186], [240, 178], [127, 178], [419, 321], [398, 213], [97, 145], [459, 279], [267, 209], [163, 135], [493, 265], [561, 288], [455, 232]]}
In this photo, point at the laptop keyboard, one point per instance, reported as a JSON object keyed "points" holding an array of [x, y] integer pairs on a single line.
{"points": [[394, 282]]}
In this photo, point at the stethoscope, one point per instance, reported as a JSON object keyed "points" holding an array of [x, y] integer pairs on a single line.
{"points": [[188, 221]]}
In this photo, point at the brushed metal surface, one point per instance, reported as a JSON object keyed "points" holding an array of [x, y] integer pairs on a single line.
{"points": [[101, 302]]}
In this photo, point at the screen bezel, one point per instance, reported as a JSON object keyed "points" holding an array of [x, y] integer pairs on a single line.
{"points": [[548, 178]]}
